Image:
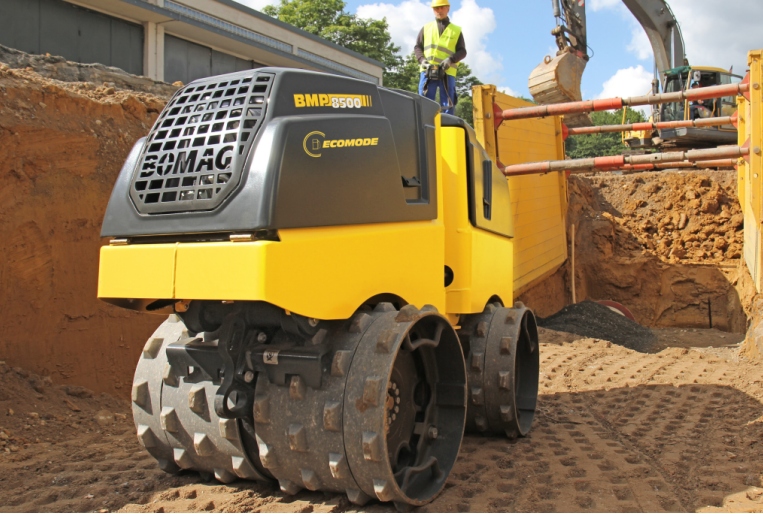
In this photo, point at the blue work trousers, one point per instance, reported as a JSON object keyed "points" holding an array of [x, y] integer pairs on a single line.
{"points": [[435, 85]]}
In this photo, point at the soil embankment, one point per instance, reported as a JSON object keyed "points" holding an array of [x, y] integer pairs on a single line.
{"points": [[62, 145], [667, 245]]}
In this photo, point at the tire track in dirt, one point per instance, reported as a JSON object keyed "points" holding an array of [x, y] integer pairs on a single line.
{"points": [[616, 431]]}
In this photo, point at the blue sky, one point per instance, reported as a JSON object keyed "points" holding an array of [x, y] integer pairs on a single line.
{"points": [[522, 37], [506, 39]]}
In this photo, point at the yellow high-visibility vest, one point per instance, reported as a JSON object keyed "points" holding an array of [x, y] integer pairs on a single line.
{"points": [[438, 47]]}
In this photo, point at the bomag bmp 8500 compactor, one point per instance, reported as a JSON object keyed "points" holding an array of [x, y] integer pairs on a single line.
{"points": [[335, 259]]}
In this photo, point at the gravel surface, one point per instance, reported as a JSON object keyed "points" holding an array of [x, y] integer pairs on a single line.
{"points": [[590, 319]]}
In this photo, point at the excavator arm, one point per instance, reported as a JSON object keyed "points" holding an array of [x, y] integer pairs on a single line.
{"points": [[558, 79], [662, 30]]}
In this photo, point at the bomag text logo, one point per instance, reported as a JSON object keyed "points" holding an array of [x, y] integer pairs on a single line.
{"points": [[335, 101], [316, 142]]}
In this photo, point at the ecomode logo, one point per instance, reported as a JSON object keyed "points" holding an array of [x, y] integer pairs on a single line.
{"points": [[315, 142]]}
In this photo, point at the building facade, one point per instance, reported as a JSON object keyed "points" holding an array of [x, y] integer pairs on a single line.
{"points": [[172, 40]]}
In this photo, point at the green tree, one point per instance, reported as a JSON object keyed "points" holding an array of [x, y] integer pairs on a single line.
{"points": [[406, 76], [464, 83], [597, 145], [329, 20]]}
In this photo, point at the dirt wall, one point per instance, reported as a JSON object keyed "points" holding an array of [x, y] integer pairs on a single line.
{"points": [[61, 148], [667, 245]]}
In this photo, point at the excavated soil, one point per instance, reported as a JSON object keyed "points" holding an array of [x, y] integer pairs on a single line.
{"points": [[590, 319], [62, 145], [616, 431], [666, 245]]}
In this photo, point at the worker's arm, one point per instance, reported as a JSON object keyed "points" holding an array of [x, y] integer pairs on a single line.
{"points": [[460, 49], [418, 48]]}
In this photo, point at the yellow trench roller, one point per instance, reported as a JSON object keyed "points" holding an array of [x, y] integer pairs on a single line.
{"points": [[338, 314]]}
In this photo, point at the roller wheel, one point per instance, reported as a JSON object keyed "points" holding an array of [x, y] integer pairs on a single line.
{"points": [[176, 421], [388, 419], [503, 364]]}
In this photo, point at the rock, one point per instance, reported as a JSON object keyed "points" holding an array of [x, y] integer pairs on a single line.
{"points": [[34, 415], [721, 244], [3, 436], [37, 384], [682, 220], [710, 206], [734, 251], [71, 405], [78, 391], [104, 418], [709, 229], [10, 412], [737, 220], [677, 251], [690, 195]]}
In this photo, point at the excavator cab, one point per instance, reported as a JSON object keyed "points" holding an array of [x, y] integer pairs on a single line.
{"points": [[681, 79]]}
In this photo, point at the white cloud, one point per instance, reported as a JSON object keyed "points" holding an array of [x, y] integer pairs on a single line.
{"points": [[508, 91], [598, 5], [257, 4], [477, 23], [406, 18], [719, 34], [632, 81], [715, 33], [639, 44]]}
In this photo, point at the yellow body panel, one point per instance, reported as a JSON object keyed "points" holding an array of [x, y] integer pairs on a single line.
{"points": [[347, 265], [481, 261], [146, 271], [539, 202], [751, 194]]}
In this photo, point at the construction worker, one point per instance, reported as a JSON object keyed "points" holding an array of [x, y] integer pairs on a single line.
{"points": [[700, 108], [440, 43]]}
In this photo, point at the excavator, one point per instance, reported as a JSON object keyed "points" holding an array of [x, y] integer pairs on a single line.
{"points": [[557, 79]]}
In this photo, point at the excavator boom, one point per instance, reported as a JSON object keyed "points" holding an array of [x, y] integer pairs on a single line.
{"points": [[558, 79]]}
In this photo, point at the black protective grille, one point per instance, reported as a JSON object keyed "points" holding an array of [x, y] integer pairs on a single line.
{"points": [[195, 152]]}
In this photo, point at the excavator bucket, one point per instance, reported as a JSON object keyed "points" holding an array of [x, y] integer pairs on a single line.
{"points": [[557, 80]]}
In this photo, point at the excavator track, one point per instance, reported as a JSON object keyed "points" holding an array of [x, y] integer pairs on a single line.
{"points": [[174, 415], [384, 421], [503, 364]]}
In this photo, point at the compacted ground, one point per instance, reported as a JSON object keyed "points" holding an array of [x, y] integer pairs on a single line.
{"points": [[616, 430]]}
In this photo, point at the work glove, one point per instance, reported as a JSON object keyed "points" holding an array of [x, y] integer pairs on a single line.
{"points": [[446, 64]]}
